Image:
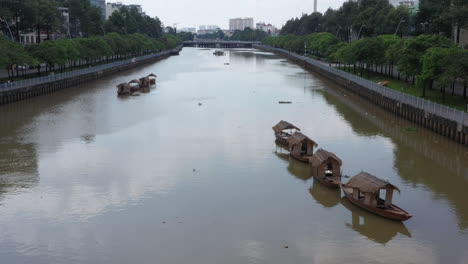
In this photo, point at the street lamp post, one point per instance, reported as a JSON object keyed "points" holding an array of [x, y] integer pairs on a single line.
{"points": [[398, 27], [338, 31], [8, 26], [360, 29]]}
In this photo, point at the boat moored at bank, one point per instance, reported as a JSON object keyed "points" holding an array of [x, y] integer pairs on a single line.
{"points": [[364, 189], [301, 147], [326, 168], [283, 130]]}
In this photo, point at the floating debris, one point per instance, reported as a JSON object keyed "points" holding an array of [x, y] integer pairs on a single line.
{"points": [[199, 104], [286, 246], [384, 83], [284, 102]]}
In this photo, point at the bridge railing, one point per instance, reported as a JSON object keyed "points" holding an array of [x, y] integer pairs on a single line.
{"points": [[460, 117]]}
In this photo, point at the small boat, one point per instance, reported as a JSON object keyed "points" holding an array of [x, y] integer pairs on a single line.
{"points": [[135, 85], [301, 147], [326, 168], [283, 130], [145, 82], [363, 190], [218, 53], [152, 78], [123, 89], [366, 224]]}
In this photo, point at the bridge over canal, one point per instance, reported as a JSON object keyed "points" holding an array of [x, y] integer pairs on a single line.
{"points": [[216, 43]]}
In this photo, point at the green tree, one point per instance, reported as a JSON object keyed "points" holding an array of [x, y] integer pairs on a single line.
{"points": [[13, 54], [410, 63]]}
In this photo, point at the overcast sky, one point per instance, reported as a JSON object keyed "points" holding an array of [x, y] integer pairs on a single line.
{"points": [[193, 13]]}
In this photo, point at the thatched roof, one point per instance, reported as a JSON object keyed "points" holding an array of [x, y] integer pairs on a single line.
{"points": [[152, 75], [366, 182], [123, 85], [282, 125], [322, 155], [299, 137], [134, 81]]}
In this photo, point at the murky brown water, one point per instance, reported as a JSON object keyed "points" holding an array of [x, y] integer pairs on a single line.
{"points": [[86, 177]]}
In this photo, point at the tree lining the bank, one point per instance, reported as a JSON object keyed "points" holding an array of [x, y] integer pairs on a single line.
{"points": [[426, 60], [71, 53]]}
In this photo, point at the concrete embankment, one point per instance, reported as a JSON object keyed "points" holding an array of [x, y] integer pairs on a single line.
{"points": [[25, 89], [443, 120]]}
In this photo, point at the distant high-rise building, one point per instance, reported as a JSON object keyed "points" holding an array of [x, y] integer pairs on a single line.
{"points": [[268, 28], [101, 4], [315, 6], [241, 23], [112, 7], [191, 30], [208, 27]]}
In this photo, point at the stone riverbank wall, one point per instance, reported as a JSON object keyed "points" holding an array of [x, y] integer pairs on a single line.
{"points": [[20, 90], [441, 119]]}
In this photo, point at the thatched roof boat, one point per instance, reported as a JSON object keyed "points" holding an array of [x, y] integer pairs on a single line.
{"points": [[326, 168], [145, 82], [152, 78], [124, 89], [366, 224], [301, 147], [283, 130], [218, 53], [364, 190], [135, 84]]}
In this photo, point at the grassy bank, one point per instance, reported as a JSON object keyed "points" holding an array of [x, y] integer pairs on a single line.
{"points": [[433, 95]]}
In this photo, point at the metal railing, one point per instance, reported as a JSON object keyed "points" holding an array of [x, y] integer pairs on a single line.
{"points": [[6, 87], [460, 117]]}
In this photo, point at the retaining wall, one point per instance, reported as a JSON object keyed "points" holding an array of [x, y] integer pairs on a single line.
{"points": [[449, 123], [25, 89]]}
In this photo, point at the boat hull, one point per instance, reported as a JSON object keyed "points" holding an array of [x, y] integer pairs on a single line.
{"points": [[329, 182], [396, 213], [301, 158], [282, 142]]}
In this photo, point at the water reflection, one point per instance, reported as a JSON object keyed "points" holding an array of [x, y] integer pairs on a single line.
{"points": [[372, 226], [420, 157], [328, 197], [107, 164], [296, 168]]}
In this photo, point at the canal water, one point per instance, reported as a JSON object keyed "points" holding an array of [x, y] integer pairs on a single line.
{"points": [[189, 173]]}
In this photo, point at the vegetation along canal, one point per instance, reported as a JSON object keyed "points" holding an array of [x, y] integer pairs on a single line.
{"points": [[190, 173]]}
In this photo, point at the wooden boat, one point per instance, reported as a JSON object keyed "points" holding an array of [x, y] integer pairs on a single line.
{"points": [[283, 130], [326, 168], [123, 89], [372, 226], [364, 190], [145, 82], [152, 78], [218, 53], [301, 147], [135, 85]]}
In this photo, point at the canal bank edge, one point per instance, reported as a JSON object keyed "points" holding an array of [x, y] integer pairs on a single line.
{"points": [[25, 89], [440, 119]]}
